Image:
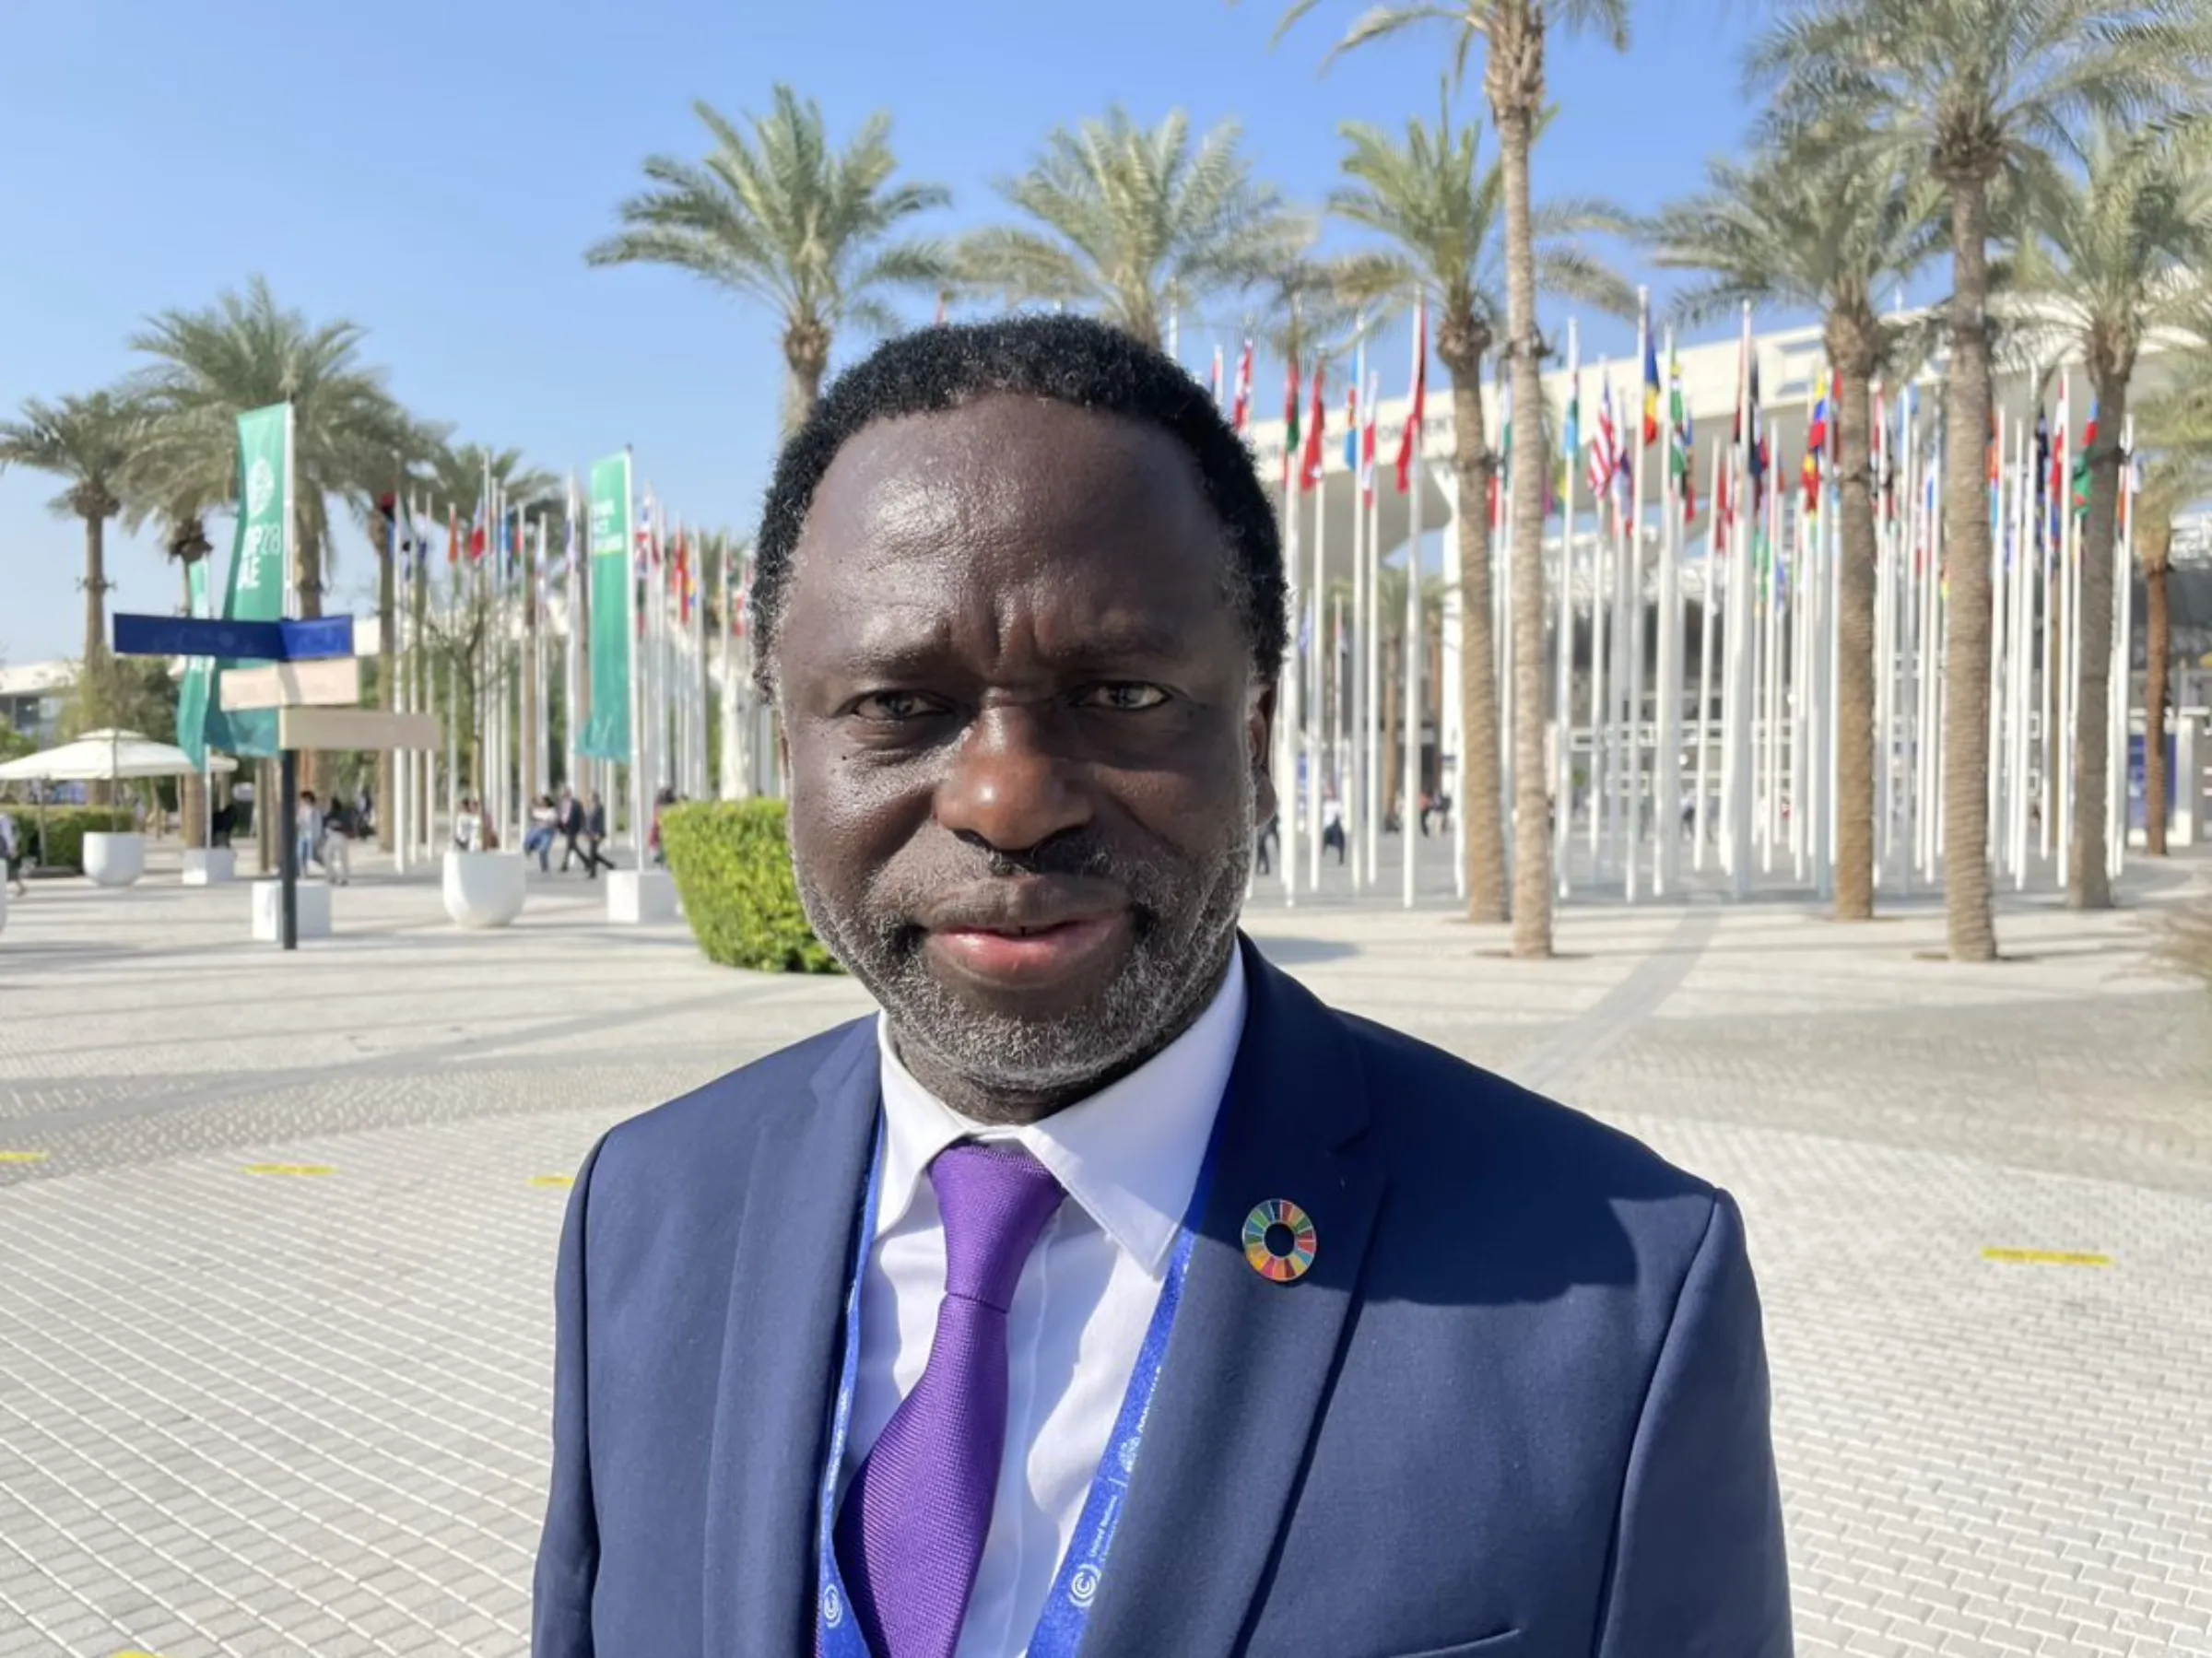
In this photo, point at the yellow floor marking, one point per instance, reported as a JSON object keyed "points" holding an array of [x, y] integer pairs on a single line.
{"points": [[559, 1182], [302, 1170], [22, 1157], [2044, 1257]]}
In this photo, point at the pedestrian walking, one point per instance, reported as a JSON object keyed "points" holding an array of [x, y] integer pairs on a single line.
{"points": [[569, 819], [11, 851], [544, 823], [1331, 825], [338, 830], [307, 831], [595, 836]]}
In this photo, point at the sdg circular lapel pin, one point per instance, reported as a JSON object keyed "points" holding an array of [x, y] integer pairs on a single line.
{"points": [[1280, 1242]]}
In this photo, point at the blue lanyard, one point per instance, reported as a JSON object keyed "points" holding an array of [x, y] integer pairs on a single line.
{"points": [[1075, 1587]]}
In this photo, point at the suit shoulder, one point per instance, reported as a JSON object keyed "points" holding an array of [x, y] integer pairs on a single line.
{"points": [[719, 1116], [1437, 1104]]}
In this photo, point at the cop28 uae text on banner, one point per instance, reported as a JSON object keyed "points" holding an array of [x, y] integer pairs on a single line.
{"points": [[607, 734], [259, 560]]}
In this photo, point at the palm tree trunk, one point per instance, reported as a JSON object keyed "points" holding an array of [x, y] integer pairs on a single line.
{"points": [[1485, 806], [96, 594], [1515, 75], [1851, 354], [806, 363], [1970, 926], [192, 802], [387, 678], [2157, 643], [2089, 868]]}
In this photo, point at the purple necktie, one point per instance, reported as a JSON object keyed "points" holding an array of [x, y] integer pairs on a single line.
{"points": [[910, 1533]]}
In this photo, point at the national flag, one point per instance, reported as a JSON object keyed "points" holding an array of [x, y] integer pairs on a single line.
{"points": [[1720, 491], [1241, 414], [1214, 388], [2081, 463], [1309, 469], [478, 534], [453, 535], [1409, 441], [743, 598], [1756, 454], [1816, 443], [1292, 447], [944, 308], [683, 577], [1351, 426], [1681, 441], [1651, 382], [1605, 449]]}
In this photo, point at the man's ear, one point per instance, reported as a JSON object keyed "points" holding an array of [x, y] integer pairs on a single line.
{"points": [[1259, 735]]}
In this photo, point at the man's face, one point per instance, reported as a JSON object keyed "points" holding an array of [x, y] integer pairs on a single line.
{"points": [[1026, 747]]}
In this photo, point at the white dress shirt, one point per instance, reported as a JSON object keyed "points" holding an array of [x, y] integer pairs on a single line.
{"points": [[1128, 1158]]}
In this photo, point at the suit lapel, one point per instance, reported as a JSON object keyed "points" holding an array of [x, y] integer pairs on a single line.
{"points": [[1248, 1365], [781, 1351]]}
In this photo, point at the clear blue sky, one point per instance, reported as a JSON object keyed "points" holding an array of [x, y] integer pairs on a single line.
{"points": [[434, 172]]}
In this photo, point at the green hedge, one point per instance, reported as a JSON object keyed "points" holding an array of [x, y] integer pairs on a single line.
{"points": [[65, 828], [732, 863]]}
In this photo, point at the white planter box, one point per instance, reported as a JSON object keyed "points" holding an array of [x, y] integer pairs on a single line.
{"points": [[114, 860], [210, 865], [313, 911], [638, 896], [485, 888]]}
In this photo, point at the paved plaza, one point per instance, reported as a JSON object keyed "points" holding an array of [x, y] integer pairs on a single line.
{"points": [[276, 1238]]}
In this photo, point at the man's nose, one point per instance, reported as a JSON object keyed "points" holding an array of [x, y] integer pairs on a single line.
{"points": [[1009, 785]]}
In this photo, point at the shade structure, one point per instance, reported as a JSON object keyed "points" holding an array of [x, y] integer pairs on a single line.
{"points": [[104, 756]]}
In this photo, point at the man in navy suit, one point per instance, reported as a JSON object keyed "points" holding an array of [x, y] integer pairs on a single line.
{"points": [[1109, 1293]]}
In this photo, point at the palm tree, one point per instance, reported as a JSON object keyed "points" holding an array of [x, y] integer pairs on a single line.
{"points": [[1515, 34], [2114, 259], [90, 441], [1442, 214], [1134, 225], [1982, 93], [777, 216], [1812, 227], [244, 352]]}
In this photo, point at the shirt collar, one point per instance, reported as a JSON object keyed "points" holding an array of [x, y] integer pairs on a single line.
{"points": [[1128, 1155]]}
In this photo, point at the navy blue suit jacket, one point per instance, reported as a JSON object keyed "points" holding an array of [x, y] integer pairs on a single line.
{"points": [[1518, 1406]]}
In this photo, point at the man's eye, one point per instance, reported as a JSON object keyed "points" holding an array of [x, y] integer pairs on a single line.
{"points": [[1123, 698], [894, 706]]}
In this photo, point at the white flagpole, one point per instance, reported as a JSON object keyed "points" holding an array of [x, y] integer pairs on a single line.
{"points": [[1372, 719], [1290, 715], [1497, 536], [1562, 748], [1312, 623], [2122, 667], [1601, 604], [1362, 760], [1736, 764], [1706, 616], [1409, 808], [1632, 805], [1667, 744]]}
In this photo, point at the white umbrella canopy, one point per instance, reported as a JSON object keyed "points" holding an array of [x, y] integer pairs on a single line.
{"points": [[104, 756]]}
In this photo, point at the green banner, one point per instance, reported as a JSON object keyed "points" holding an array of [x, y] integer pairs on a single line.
{"points": [[199, 674], [259, 558], [607, 734]]}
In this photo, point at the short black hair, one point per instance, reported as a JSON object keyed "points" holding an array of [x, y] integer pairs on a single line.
{"points": [[1070, 359]]}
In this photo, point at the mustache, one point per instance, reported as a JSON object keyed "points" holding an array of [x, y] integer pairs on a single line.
{"points": [[1076, 855]]}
